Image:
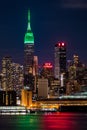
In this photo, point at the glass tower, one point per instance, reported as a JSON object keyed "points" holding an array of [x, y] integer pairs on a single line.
{"points": [[60, 59]]}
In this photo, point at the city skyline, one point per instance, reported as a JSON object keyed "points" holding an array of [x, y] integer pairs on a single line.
{"points": [[51, 22]]}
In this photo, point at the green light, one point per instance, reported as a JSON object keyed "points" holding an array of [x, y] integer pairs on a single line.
{"points": [[29, 27], [27, 122], [29, 37]]}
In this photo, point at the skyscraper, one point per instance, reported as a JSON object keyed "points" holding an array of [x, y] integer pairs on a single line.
{"points": [[12, 75], [7, 73], [17, 77], [28, 48], [60, 59], [29, 57]]}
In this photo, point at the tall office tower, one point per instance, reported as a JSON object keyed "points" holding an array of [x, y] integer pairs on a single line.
{"points": [[28, 49], [17, 77], [60, 59], [7, 73], [28, 57]]}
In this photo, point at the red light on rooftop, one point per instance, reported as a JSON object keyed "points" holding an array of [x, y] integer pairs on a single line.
{"points": [[47, 65], [63, 44], [59, 44]]}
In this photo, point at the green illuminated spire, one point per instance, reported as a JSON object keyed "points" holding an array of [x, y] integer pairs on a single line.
{"points": [[29, 37], [29, 27]]}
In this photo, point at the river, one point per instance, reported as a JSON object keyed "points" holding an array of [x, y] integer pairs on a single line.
{"points": [[45, 121]]}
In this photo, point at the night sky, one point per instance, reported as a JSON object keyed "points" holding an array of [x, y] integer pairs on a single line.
{"points": [[51, 21]]}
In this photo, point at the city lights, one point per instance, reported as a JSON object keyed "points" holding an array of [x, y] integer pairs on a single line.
{"points": [[41, 88], [47, 65]]}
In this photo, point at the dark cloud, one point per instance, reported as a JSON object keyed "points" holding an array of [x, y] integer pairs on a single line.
{"points": [[74, 4]]}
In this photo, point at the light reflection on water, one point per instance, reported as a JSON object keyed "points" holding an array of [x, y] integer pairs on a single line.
{"points": [[46, 121]]}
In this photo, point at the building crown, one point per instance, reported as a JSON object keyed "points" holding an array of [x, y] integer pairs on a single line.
{"points": [[29, 37]]}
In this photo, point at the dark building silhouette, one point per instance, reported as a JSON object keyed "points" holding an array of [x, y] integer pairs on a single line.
{"points": [[29, 81], [7, 98], [60, 59]]}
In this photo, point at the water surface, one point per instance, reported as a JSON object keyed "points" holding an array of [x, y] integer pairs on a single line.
{"points": [[45, 121]]}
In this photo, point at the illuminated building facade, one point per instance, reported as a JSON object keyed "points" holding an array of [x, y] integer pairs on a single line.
{"points": [[26, 98], [17, 78], [28, 48], [60, 59], [76, 76], [47, 70], [12, 75], [7, 73]]}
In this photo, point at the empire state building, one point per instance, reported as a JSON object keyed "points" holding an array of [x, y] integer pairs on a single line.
{"points": [[28, 49]]}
